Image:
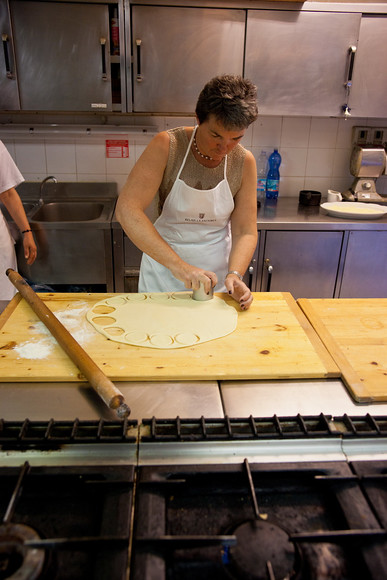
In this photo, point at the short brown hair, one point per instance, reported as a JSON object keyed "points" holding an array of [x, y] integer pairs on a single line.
{"points": [[231, 99]]}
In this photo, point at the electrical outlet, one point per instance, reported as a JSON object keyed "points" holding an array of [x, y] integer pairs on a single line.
{"points": [[376, 136], [361, 135]]}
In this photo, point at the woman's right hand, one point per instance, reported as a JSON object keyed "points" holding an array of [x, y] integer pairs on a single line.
{"points": [[192, 276]]}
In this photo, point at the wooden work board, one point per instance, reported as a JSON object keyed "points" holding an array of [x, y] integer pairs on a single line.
{"points": [[273, 340], [355, 333]]}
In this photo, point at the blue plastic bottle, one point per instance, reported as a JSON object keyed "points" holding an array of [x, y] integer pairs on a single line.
{"points": [[273, 176]]}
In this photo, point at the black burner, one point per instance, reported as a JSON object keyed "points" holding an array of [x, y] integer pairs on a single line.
{"points": [[65, 523], [262, 545], [16, 560]]}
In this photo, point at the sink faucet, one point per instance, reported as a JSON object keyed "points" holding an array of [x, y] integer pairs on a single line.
{"points": [[49, 178]]}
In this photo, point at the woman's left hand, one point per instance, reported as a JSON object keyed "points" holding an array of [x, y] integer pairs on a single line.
{"points": [[239, 291]]}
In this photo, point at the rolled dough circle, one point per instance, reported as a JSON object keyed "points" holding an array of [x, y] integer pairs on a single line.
{"points": [[162, 320]]}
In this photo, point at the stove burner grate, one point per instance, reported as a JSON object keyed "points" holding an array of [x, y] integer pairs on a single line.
{"points": [[17, 559], [262, 548], [262, 428], [22, 434], [65, 523]]}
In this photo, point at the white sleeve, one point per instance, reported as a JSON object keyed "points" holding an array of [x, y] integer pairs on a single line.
{"points": [[10, 175]]}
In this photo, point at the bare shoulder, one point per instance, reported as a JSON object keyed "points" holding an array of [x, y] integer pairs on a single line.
{"points": [[249, 166], [250, 159], [159, 144]]}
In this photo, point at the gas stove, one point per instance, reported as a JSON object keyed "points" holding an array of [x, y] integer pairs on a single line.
{"points": [[202, 498]]}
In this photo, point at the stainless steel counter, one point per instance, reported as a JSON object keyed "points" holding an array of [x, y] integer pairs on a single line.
{"points": [[287, 213], [67, 401], [283, 398]]}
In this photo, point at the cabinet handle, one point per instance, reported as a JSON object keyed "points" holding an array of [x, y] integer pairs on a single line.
{"points": [[138, 49], [348, 83], [5, 40], [351, 54], [269, 268], [251, 272], [102, 41]]}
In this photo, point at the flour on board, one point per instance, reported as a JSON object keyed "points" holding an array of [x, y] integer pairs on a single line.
{"points": [[74, 320]]}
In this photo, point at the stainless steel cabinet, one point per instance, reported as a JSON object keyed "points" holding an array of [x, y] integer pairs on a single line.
{"points": [[365, 267], [299, 60], [127, 260], [9, 92], [177, 50], [62, 54], [369, 86], [304, 263]]}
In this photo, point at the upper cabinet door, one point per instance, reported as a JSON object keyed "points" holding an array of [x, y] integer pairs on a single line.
{"points": [[177, 50], [368, 96], [299, 60], [9, 93], [62, 52]]}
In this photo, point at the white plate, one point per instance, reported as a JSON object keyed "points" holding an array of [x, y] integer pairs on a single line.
{"points": [[355, 210]]}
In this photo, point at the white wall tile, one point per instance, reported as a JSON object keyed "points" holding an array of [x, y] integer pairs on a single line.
{"points": [[293, 161], [122, 166], [120, 180], [341, 163], [291, 186], [344, 131], [30, 157], [90, 157], [323, 133], [247, 139], [319, 162], [295, 132], [373, 122], [36, 177], [267, 132], [321, 184], [60, 158], [65, 177], [92, 177]]}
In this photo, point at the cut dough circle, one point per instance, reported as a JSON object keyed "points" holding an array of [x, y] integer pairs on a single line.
{"points": [[162, 320]]}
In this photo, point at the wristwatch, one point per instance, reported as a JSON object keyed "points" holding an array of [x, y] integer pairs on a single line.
{"points": [[236, 274]]}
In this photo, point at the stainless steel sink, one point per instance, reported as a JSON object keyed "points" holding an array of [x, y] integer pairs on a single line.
{"points": [[28, 207], [63, 211], [72, 230]]}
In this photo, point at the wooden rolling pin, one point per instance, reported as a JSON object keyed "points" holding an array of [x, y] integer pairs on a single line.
{"points": [[97, 379]]}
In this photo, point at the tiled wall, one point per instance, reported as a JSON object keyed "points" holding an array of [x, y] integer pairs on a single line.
{"points": [[315, 151]]}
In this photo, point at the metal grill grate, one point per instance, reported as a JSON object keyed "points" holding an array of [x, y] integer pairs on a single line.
{"points": [[61, 432], [296, 427]]}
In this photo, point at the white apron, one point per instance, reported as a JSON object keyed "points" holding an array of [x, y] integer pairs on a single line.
{"points": [[7, 260], [196, 224]]}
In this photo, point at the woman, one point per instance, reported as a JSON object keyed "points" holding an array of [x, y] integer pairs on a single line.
{"points": [[10, 177], [206, 232]]}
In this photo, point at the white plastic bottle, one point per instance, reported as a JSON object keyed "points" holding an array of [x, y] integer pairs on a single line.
{"points": [[262, 169]]}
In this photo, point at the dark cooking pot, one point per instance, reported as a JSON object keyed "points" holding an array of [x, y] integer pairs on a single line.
{"points": [[310, 197]]}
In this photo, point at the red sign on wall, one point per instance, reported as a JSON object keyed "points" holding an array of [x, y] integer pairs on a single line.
{"points": [[117, 148]]}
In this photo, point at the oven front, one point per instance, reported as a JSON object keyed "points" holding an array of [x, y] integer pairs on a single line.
{"points": [[300, 497]]}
